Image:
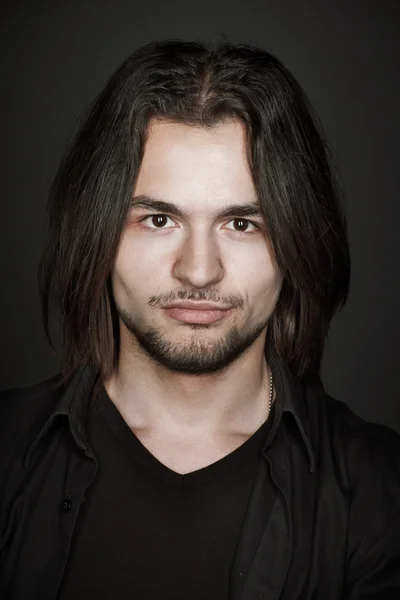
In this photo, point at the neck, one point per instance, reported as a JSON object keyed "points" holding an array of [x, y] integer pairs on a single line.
{"points": [[152, 398]]}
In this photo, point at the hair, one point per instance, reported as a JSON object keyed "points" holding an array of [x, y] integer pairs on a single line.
{"points": [[290, 162]]}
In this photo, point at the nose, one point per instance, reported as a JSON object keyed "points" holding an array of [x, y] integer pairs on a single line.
{"points": [[198, 262]]}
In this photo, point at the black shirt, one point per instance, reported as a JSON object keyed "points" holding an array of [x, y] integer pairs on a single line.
{"points": [[331, 532], [148, 532]]}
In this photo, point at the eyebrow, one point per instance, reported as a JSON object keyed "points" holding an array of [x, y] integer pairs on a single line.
{"points": [[232, 210]]}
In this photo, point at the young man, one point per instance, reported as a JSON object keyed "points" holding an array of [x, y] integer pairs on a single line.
{"points": [[197, 254]]}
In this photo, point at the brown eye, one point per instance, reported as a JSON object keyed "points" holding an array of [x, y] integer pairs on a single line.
{"points": [[159, 220], [155, 221], [242, 225]]}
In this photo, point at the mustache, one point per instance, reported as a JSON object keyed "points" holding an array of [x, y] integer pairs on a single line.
{"points": [[200, 296]]}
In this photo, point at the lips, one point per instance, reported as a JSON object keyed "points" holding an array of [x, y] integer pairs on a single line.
{"points": [[200, 313], [196, 306]]}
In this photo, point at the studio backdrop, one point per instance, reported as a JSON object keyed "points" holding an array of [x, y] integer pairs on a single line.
{"points": [[57, 56]]}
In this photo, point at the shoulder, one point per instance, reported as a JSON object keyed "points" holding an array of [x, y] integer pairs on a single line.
{"points": [[344, 427], [362, 453], [18, 401], [369, 454], [22, 408], [365, 442], [366, 459]]}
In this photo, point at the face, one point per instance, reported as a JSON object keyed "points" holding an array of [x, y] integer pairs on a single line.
{"points": [[187, 251]]}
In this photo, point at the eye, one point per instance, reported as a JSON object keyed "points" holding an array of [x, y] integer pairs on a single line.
{"points": [[243, 223], [159, 221]]}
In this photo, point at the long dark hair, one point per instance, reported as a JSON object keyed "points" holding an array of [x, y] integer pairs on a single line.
{"points": [[300, 200]]}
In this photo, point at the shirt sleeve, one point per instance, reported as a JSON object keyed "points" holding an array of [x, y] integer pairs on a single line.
{"points": [[376, 576], [373, 560]]}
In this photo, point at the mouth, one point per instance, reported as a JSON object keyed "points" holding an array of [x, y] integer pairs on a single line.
{"points": [[202, 316]]}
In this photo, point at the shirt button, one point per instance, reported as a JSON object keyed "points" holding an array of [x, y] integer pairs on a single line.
{"points": [[67, 504]]}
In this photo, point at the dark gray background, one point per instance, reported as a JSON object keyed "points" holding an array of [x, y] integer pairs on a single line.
{"points": [[57, 55]]}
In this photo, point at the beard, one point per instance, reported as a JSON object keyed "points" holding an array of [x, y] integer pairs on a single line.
{"points": [[196, 356]]}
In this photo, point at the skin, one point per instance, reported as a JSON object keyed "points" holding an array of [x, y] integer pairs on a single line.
{"points": [[193, 393]]}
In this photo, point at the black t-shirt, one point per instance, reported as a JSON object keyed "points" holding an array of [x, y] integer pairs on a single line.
{"points": [[148, 532]]}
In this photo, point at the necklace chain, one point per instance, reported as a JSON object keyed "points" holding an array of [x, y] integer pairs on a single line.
{"points": [[270, 393]]}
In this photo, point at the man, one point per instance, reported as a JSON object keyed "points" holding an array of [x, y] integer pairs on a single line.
{"points": [[197, 254]]}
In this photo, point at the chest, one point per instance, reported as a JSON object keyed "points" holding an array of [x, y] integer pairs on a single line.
{"points": [[185, 456]]}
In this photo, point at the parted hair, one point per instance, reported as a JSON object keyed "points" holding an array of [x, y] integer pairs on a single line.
{"points": [[291, 165]]}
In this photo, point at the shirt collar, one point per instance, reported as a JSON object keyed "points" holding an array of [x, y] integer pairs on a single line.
{"points": [[72, 401], [290, 401]]}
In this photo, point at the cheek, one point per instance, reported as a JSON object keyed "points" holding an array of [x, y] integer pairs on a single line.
{"points": [[138, 260], [257, 277], [129, 269], [253, 262]]}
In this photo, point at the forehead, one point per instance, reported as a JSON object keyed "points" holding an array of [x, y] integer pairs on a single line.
{"points": [[161, 130], [192, 161]]}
